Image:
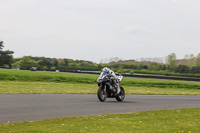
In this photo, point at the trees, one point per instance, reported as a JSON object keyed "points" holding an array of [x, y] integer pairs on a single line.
{"points": [[27, 62], [52, 63], [1, 45], [198, 60], [182, 69], [6, 57], [171, 61], [189, 60]]}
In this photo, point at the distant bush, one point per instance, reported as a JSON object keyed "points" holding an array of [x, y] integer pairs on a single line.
{"points": [[124, 71], [53, 68], [131, 72]]}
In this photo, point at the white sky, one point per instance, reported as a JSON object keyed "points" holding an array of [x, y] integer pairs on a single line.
{"points": [[97, 29]]}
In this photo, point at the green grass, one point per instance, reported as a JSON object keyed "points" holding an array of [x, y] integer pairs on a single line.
{"points": [[61, 77], [41, 82], [18, 87], [44, 76], [160, 121]]}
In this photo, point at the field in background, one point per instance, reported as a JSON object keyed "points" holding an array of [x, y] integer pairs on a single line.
{"points": [[160, 121], [42, 82]]}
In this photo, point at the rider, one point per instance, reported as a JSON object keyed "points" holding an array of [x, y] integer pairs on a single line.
{"points": [[112, 76]]}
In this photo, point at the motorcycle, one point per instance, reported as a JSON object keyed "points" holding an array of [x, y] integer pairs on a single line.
{"points": [[107, 88]]}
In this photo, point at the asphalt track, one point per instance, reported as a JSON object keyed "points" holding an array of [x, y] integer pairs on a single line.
{"points": [[14, 108]]}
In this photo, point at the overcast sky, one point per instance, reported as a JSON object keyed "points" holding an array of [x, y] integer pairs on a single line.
{"points": [[97, 29]]}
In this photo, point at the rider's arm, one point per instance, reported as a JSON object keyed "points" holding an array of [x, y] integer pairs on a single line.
{"points": [[113, 74]]}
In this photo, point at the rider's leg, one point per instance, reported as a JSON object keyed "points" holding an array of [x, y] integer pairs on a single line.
{"points": [[118, 88]]}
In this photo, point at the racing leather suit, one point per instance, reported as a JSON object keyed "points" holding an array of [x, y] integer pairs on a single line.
{"points": [[113, 77]]}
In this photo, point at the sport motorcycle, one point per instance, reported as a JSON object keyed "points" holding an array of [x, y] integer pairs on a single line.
{"points": [[108, 88]]}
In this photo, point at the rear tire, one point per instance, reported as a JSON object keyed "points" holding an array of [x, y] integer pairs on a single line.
{"points": [[120, 97], [101, 94]]}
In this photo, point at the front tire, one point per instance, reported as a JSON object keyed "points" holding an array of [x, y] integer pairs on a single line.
{"points": [[120, 97], [101, 94]]}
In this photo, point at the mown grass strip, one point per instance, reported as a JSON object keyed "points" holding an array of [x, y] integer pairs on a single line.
{"points": [[18, 87], [42, 76], [160, 121]]}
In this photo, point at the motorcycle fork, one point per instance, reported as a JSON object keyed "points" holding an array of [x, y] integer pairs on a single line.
{"points": [[101, 85], [105, 87]]}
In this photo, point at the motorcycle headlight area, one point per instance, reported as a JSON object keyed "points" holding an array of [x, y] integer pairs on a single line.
{"points": [[100, 80]]}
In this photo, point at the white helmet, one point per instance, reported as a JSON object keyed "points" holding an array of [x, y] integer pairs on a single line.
{"points": [[106, 70]]}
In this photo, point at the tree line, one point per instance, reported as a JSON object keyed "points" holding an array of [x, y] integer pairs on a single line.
{"points": [[190, 64], [53, 63]]}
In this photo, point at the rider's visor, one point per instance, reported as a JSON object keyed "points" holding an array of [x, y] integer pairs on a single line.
{"points": [[105, 73]]}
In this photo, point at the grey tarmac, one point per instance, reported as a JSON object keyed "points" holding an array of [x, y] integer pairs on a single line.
{"points": [[22, 107]]}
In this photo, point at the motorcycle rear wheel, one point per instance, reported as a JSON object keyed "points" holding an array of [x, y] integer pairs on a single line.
{"points": [[101, 94], [120, 97]]}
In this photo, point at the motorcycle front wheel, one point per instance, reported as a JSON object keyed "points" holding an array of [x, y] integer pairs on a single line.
{"points": [[102, 94], [121, 95]]}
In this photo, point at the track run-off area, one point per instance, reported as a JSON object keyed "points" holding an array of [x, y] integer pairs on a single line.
{"points": [[22, 107]]}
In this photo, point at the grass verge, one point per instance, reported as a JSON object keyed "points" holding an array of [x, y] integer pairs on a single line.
{"points": [[17, 87], [160, 121]]}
